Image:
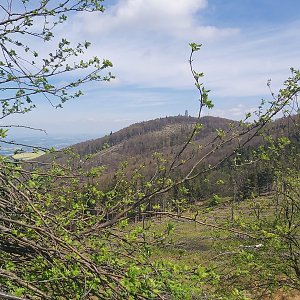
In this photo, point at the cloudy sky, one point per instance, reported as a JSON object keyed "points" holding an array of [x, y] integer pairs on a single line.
{"points": [[245, 43]]}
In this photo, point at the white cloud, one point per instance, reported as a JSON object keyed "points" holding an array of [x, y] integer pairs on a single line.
{"points": [[144, 18], [237, 112], [147, 40], [243, 67], [174, 18]]}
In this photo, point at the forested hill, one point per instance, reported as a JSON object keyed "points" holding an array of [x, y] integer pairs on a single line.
{"points": [[139, 141], [152, 135]]}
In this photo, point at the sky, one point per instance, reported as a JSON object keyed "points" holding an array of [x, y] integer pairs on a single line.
{"points": [[245, 43]]}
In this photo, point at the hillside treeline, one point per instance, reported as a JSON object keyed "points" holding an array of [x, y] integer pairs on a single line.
{"points": [[138, 143]]}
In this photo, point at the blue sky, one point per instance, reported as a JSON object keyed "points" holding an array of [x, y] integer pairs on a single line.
{"points": [[245, 43]]}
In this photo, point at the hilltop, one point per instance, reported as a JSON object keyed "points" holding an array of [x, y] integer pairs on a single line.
{"points": [[137, 142]]}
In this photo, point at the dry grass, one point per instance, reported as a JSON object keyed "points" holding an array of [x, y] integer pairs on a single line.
{"points": [[28, 155]]}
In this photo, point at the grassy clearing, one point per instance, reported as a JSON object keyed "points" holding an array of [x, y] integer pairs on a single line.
{"points": [[219, 246], [191, 243], [28, 155]]}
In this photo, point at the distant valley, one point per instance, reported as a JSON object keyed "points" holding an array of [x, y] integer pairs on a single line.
{"points": [[44, 141]]}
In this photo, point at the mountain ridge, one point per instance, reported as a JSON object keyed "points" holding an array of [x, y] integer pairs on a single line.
{"points": [[157, 135], [142, 139]]}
